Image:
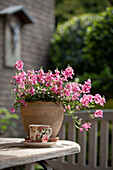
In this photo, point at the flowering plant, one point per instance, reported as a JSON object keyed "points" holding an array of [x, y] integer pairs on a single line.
{"points": [[58, 86]]}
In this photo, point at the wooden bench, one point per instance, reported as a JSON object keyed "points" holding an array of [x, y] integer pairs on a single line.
{"points": [[96, 145], [14, 153]]}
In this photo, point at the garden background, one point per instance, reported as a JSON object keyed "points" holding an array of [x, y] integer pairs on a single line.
{"points": [[84, 40]]}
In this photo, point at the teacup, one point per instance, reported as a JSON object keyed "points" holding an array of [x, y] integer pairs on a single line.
{"points": [[40, 133]]}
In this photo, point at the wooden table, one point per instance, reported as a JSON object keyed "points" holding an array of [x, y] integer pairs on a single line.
{"points": [[14, 153]]}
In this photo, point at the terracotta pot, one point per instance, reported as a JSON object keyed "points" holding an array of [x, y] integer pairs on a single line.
{"points": [[46, 113]]}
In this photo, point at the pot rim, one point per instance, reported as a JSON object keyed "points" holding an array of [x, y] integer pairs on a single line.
{"points": [[43, 103]]}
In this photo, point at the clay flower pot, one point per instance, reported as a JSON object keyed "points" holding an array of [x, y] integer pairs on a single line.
{"points": [[46, 113]]}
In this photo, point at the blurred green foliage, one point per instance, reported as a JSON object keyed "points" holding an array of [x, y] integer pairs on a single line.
{"points": [[5, 119], [66, 9], [85, 43]]}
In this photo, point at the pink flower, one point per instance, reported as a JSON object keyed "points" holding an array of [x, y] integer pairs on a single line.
{"points": [[31, 90], [87, 86], [86, 126], [67, 107], [81, 129], [55, 89], [19, 65], [12, 110], [76, 87], [74, 97], [77, 107], [57, 72], [20, 94], [20, 78], [11, 82], [102, 101], [23, 102], [15, 90], [31, 77], [68, 72], [98, 113], [86, 100], [97, 98], [40, 72]]}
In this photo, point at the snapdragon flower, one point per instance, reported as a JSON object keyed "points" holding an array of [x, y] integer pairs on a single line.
{"points": [[58, 86]]}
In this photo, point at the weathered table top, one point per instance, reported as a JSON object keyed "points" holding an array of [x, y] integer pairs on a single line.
{"points": [[13, 152]]}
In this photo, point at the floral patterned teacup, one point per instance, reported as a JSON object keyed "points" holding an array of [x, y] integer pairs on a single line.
{"points": [[40, 133]]}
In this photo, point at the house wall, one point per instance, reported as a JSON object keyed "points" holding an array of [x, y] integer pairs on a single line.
{"points": [[35, 40]]}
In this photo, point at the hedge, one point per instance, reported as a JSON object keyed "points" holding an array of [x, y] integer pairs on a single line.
{"points": [[66, 9], [86, 44]]}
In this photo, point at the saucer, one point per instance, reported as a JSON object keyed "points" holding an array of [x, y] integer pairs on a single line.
{"points": [[38, 144]]}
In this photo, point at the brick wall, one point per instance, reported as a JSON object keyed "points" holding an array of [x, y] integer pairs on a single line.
{"points": [[35, 39]]}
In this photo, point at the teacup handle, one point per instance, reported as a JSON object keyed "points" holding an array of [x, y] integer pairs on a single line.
{"points": [[50, 132]]}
